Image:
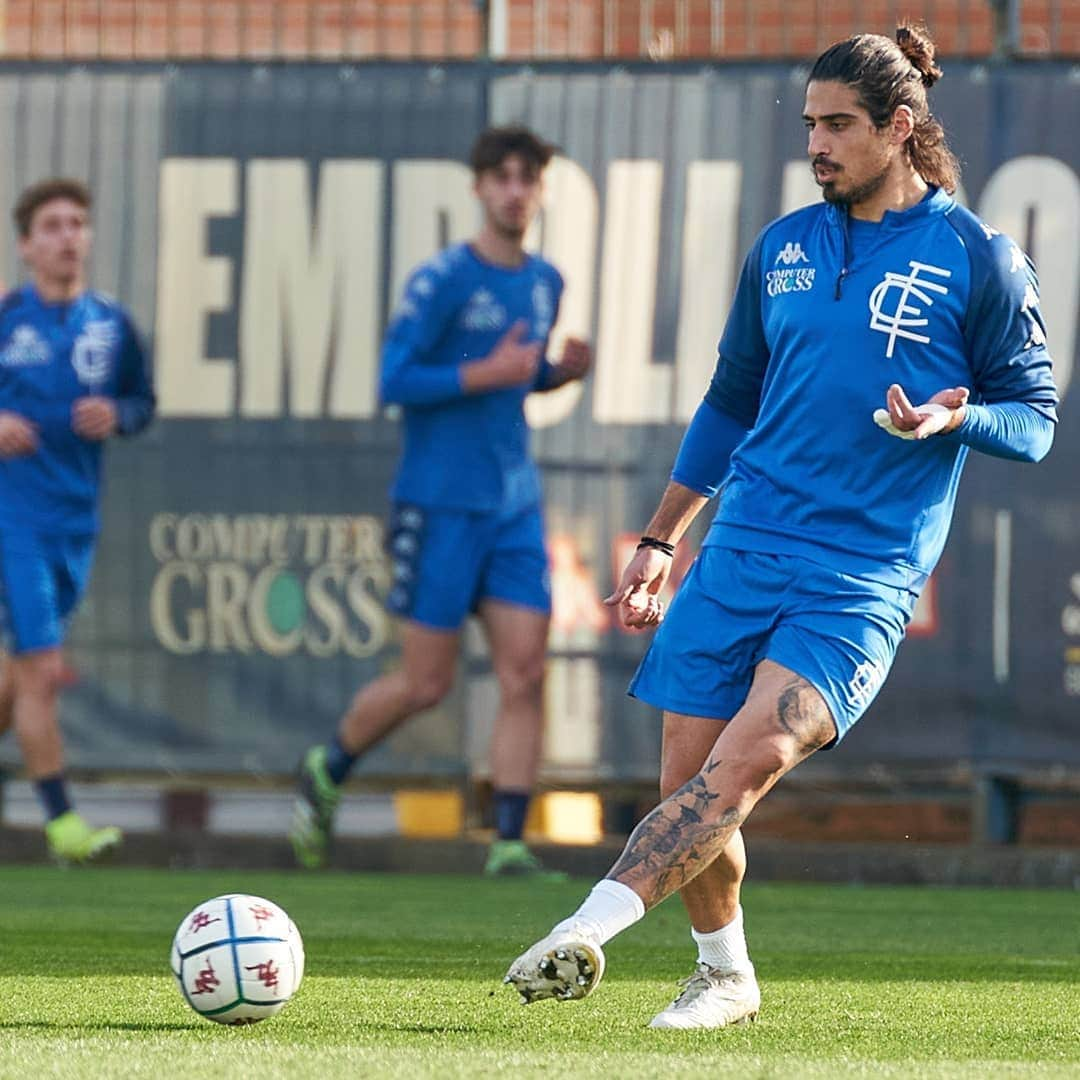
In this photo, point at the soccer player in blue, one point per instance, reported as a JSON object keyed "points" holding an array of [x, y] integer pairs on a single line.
{"points": [[72, 375], [463, 351], [836, 494]]}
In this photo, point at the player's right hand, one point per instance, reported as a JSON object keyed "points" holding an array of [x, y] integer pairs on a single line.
{"points": [[512, 361], [637, 596], [18, 437]]}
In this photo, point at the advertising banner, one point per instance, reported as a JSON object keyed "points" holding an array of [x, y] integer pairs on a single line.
{"points": [[259, 221]]}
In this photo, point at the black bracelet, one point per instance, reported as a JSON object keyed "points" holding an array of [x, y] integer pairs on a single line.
{"points": [[653, 542]]}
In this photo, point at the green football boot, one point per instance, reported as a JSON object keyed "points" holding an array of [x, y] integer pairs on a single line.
{"points": [[317, 798], [72, 839], [512, 858]]}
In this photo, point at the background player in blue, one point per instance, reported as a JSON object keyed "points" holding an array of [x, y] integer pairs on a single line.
{"points": [[462, 352], [836, 499], [72, 375]]}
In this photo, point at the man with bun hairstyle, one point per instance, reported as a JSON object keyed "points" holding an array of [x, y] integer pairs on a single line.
{"points": [[836, 498]]}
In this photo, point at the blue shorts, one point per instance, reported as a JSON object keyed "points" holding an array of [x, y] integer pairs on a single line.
{"points": [[445, 562], [42, 578], [737, 608]]}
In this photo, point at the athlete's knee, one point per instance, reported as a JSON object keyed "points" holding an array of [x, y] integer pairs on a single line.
{"points": [[766, 745], [521, 678], [37, 675], [767, 760], [427, 688], [748, 768]]}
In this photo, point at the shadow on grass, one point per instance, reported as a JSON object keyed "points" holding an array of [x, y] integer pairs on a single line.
{"points": [[89, 1025]]}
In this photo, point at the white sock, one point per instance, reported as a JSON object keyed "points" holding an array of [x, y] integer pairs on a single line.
{"points": [[724, 949], [608, 910]]}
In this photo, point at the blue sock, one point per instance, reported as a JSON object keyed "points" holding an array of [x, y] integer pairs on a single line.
{"points": [[338, 760], [52, 792], [510, 810]]}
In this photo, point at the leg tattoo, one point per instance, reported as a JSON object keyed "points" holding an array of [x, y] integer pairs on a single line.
{"points": [[675, 842], [804, 716], [687, 832]]}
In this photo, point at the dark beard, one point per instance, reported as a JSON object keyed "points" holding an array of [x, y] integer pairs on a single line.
{"points": [[513, 233], [858, 194]]}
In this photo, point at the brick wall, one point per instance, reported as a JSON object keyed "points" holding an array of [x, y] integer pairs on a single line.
{"points": [[534, 29]]}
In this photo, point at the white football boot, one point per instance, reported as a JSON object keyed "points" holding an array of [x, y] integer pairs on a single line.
{"points": [[565, 966], [712, 999]]}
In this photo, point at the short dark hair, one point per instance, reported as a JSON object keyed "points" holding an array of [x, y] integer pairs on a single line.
{"points": [[496, 144], [37, 195], [887, 74]]}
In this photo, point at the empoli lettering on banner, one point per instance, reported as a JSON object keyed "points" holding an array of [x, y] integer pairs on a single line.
{"points": [[312, 275]]}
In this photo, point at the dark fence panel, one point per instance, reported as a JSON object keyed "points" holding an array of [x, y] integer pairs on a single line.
{"points": [[259, 221]]}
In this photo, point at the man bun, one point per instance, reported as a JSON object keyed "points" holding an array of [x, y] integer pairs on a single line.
{"points": [[916, 44]]}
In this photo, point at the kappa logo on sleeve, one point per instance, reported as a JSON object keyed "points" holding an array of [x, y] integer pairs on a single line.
{"points": [[1029, 309]]}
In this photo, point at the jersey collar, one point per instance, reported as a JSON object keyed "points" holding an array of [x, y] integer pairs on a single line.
{"points": [[61, 307], [935, 201]]}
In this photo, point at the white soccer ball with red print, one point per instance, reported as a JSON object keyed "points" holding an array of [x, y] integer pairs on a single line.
{"points": [[237, 959]]}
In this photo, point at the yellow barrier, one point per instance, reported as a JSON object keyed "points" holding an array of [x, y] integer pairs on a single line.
{"points": [[566, 817], [429, 813], [560, 817]]}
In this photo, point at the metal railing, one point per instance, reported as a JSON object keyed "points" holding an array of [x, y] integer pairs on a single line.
{"points": [[661, 30]]}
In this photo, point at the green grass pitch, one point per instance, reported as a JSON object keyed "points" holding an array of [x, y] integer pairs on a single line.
{"points": [[403, 980]]}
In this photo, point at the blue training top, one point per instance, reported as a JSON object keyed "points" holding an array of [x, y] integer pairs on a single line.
{"points": [[50, 356], [932, 299], [461, 450]]}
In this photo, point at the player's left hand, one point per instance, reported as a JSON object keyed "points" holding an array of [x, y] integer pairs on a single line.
{"points": [[94, 418], [941, 414], [576, 359]]}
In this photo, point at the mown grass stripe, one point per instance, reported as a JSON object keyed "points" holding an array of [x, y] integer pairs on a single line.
{"points": [[404, 981]]}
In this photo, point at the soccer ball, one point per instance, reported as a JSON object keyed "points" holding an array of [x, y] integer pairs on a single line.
{"points": [[237, 959]]}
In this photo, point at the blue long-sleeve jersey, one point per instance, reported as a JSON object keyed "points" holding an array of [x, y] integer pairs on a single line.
{"points": [[50, 356], [465, 451], [817, 334]]}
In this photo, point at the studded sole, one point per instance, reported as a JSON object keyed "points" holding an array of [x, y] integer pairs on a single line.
{"points": [[570, 973]]}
